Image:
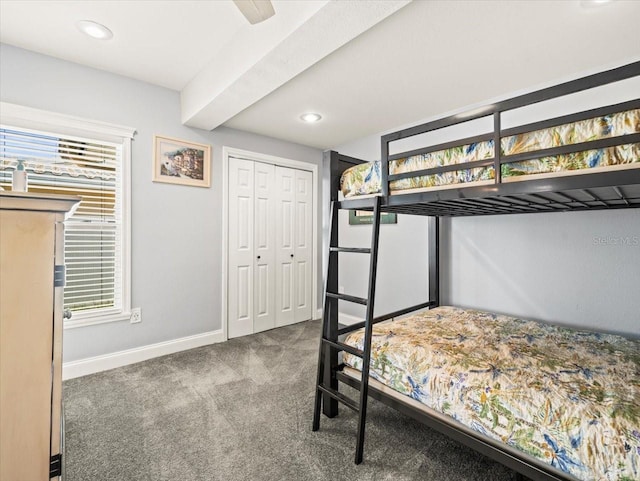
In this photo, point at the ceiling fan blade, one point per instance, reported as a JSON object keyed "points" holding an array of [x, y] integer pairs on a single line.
{"points": [[255, 11]]}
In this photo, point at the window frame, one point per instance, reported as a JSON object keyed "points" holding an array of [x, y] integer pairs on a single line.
{"points": [[28, 118]]}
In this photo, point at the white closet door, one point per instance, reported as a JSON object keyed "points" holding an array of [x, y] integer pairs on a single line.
{"points": [[265, 253], [285, 245], [270, 246], [303, 245], [241, 247]]}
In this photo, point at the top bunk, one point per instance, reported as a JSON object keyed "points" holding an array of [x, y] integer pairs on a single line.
{"points": [[585, 160]]}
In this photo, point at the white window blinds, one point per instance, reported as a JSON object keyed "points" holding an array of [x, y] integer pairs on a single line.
{"points": [[92, 170]]}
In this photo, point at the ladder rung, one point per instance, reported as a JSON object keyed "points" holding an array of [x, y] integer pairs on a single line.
{"points": [[345, 297], [358, 250], [350, 403], [344, 347]]}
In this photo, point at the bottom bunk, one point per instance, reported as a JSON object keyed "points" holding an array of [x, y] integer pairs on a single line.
{"points": [[550, 402]]}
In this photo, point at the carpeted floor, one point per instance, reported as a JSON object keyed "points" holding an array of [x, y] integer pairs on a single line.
{"points": [[241, 410]]}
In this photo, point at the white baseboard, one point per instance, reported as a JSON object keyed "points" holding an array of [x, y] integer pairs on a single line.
{"points": [[348, 319], [90, 365]]}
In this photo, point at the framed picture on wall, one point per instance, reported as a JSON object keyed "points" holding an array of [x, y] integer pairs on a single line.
{"points": [[359, 217], [180, 162]]}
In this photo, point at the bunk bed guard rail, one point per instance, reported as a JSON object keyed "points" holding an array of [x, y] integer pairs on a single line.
{"points": [[502, 195]]}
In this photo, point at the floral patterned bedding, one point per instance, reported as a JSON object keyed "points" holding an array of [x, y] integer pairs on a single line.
{"points": [[567, 397], [365, 178]]}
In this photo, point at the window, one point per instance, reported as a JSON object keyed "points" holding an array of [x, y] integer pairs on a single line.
{"points": [[85, 159]]}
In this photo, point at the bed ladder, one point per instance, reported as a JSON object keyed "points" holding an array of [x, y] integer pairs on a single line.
{"points": [[329, 339]]}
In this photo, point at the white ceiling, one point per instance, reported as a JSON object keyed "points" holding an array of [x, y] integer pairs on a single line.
{"points": [[366, 66]]}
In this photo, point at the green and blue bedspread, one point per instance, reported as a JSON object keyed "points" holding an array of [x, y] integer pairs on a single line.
{"points": [[570, 398], [365, 178]]}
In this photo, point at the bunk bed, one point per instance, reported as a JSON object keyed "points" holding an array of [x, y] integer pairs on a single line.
{"points": [[551, 403]]}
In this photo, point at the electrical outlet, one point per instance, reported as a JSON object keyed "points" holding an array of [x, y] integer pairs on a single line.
{"points": [[136, 315], [341, 290]]}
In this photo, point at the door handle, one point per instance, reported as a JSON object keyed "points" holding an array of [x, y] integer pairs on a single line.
{"points": [[258, 257], [291, 255]]}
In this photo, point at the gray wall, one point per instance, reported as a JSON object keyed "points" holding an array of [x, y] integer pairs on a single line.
{"points": [[577, 268], [176, 237], [580, 269]]}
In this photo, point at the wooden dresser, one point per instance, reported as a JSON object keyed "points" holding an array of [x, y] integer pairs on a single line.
{"points": [[31, 284]]}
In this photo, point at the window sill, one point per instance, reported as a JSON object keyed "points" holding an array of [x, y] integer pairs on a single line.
{"points": [[89, 320]]}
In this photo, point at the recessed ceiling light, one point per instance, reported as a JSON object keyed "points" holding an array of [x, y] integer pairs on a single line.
{"points": [[94, 29], [310, 117], [594, 3]]}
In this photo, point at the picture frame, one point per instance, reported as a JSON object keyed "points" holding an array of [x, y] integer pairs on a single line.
{"points": [[181, 162], [362, 217]]}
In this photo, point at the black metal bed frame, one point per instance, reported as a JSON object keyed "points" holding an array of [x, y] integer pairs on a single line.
{"points": [[589, 191]]}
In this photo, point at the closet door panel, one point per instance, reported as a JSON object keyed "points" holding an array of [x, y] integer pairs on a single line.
{"points": [[286, 301], [285, 245], [303, 249], [270, 246], [241, 247], [264, 218]]}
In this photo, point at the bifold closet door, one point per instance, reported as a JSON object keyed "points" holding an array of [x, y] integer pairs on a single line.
{"points": [[251, 285], [293, 245], [264, 252]]}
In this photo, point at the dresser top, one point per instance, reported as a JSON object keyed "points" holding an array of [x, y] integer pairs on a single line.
{"points": [[38, 202]]}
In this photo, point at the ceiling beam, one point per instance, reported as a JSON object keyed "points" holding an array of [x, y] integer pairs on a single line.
{"points": [[226, 87]]}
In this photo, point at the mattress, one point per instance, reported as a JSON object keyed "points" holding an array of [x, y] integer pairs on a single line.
{"points": [[569, 398], [365, 178]]}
